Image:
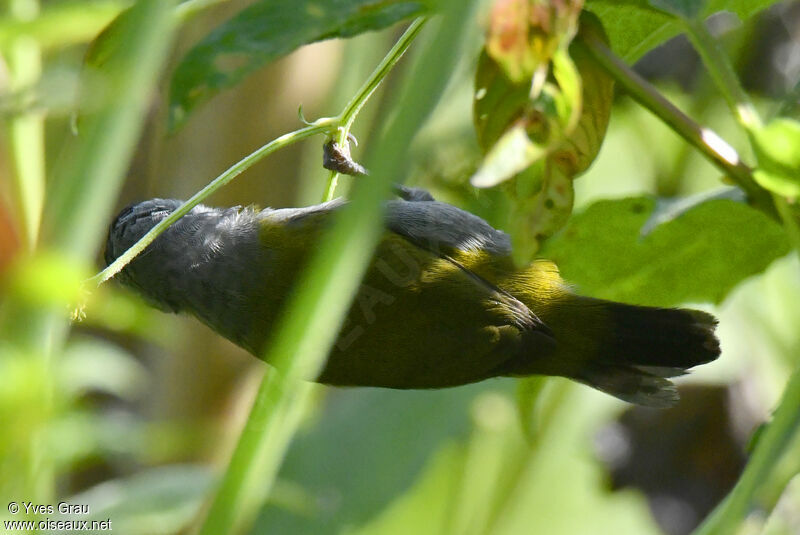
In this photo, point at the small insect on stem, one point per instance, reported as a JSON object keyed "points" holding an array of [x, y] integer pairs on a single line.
{"points": [[337, 158]]}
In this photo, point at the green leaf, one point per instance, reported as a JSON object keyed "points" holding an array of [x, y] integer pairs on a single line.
{"points": [[635, 27], [497, 101], [670, 208], [536, 217], [777, 147], [266, 31], [687, 9], [159, 500], [331, 461], [63, 23], [93, 364], [514, 152], [697, 257]]}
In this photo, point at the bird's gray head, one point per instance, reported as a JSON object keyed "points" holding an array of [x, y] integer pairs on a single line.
{"points": [[135, 221]]}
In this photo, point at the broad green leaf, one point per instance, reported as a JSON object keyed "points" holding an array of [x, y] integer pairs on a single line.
{"points": [[635, 27], [597, 95], [266, 31], [698, 257], [777, 147], [496, 483], [687, 9], [341, 461], [668, 209]]}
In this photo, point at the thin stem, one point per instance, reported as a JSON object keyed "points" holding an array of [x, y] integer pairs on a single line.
{"points": [[232, 172], [330, 188], [721, 72], [710, 144], [351, 110]]}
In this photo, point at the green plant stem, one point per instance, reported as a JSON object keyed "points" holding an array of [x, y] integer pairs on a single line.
{"points": [[711, 145], [320, 127], [310, 323], [774, 440], [351, 110], [26, 130], [721, 71]]}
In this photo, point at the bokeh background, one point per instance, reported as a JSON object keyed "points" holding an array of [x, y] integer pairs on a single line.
{"points": [[147, 406]]}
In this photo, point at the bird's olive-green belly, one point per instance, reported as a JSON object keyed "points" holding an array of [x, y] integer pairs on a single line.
{"points": [[419, 321]]}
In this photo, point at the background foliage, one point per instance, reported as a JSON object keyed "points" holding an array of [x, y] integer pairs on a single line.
{"points": [[136, 413]]}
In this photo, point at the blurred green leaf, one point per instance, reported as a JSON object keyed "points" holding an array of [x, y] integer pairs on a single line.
{"points": [[62, 23], [497, 102], [25, 411], [162, 500], [425, 508], [635, 27], [93, 364], [698, 257], [777, 147], [495, 483], [350, 460], [47, 279], [266, 31]]}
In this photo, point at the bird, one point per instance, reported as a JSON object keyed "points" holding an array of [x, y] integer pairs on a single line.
{"points": [[442, 303]]}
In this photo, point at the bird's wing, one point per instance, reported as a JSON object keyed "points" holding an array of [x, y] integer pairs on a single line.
{"points": [[439, 228], [435, 226]]}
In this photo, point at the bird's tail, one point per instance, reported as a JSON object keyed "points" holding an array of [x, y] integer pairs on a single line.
{"points": [[644, 347], [628, 351]]}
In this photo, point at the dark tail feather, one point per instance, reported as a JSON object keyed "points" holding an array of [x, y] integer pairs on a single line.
{"points": [[644, 347]]}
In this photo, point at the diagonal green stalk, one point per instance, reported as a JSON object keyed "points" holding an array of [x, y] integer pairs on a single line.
{"points": [[724, 76], [710, 144], [351, 110], [310, 323]]}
